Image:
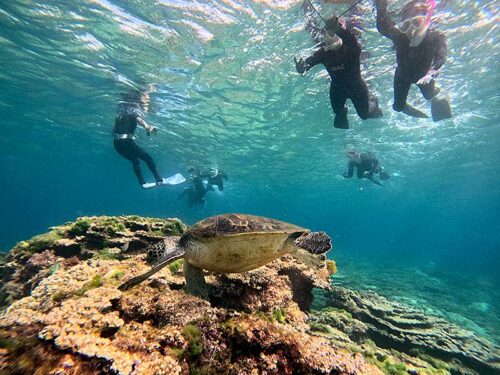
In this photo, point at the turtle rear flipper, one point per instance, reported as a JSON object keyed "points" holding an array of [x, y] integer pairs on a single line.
{"points": [[178, 253]]}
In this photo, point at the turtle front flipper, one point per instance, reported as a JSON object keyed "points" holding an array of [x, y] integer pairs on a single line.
{"points": [[195, 281], [171, 257]]}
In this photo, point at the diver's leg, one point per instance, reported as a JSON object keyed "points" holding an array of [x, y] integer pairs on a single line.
{"points": [[126, 149], [401, 90], [360, 97], [338, 98], [195, 281], [141, 154], [440, 107]]}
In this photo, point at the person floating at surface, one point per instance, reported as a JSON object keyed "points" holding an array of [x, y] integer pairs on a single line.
{"points": [[366, 165], [197, 191], [127, 119], [215, 176], [420, 52], [340, 54]]}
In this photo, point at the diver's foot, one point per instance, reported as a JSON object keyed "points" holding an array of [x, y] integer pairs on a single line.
{"points": [[440, 109], [341, 121], [413, 112], [374, 110]]}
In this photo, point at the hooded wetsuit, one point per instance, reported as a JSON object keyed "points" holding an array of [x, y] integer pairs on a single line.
{"points": [[343, 66], [125, 125], [365, 167], [413, 63]]}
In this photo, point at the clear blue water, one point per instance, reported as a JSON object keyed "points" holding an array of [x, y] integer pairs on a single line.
{"points": [[227, 96]]}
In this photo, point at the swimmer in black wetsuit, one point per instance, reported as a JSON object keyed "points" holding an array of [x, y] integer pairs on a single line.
{"points": [[129, 116], [366, 165], [197, 191], [420, 53], [340, 54], [214, 177]]}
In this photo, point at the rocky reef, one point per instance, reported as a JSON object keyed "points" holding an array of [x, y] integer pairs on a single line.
{"points": [[63, 314]]}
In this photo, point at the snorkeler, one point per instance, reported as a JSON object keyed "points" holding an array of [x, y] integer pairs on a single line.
{"points": [[420, 53], [366, 165], [129, 116], [216, 177], [340, 55], [197, 191]]}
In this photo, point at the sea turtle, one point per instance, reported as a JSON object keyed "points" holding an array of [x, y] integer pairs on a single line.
{"points": [[234, 243]]}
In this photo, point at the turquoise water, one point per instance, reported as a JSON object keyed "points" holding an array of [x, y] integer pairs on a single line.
{"points": [[227, 96]]}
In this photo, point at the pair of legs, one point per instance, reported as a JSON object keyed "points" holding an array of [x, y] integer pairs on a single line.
{"points": [[357, 91], [440, 107], [132, 152]]}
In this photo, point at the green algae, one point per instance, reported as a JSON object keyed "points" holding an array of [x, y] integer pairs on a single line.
{"points": [[96, 282], [176, 266], [193, 334], [80, 226], [279, 314], [37, 244]]}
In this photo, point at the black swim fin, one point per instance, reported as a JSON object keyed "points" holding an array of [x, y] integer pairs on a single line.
{"points": [[413, 112], [440, 108], [341, 121]]}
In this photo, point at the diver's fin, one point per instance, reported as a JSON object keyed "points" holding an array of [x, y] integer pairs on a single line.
{"points": [[440, 108], [174, 255], [413, 112], [341, 121]]}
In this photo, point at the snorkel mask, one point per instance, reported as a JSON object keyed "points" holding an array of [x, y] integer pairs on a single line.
{"points": [[332, 40], [416, 18]]}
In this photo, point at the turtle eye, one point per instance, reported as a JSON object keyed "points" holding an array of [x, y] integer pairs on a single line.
{"points": [[296, 235]]}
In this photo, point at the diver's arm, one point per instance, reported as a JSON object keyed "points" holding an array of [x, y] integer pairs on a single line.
{"points": [[303, 66], [438, 61], [145, 125], [441, 52], [349, 40], [385, 25]]}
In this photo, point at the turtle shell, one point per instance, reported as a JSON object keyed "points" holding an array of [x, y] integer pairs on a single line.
{"points": [[237, 242], [233, 224]]}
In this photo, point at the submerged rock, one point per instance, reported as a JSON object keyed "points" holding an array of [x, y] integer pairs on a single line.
{"points": [[65, 315]]}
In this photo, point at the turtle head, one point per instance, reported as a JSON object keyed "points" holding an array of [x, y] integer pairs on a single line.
{"points": [[314, 242]]}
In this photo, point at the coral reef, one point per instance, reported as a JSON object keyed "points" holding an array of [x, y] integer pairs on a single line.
{"points": [[64, 314], [366, 315]]}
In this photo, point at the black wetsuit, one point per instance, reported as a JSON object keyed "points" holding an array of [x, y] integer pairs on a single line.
{"points": [[343, 66], [126, 123], [413, 63], [218, 180], [365, 168], [196, 193]]}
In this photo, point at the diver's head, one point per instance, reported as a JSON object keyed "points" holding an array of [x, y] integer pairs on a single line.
{"points": [[332, 40], [353, 155], [415, 20]]}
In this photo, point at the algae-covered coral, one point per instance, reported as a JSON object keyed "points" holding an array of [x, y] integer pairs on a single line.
{"points": [[65, 315]]}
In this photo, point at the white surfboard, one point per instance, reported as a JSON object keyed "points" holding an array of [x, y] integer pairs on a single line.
{"points": [[176, 179]]}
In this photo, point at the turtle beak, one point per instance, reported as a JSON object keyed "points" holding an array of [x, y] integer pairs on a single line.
{"points": [[315, 242]]}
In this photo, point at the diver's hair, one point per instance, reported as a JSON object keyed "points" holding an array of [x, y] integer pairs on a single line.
{"points": [[410, 7]]}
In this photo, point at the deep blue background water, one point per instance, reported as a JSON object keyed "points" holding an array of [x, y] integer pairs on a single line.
{"points": [[226, 95]]}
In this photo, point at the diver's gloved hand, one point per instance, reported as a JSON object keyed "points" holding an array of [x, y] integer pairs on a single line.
{"points": [[151, 129], [428, 77], [300, 65]]}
